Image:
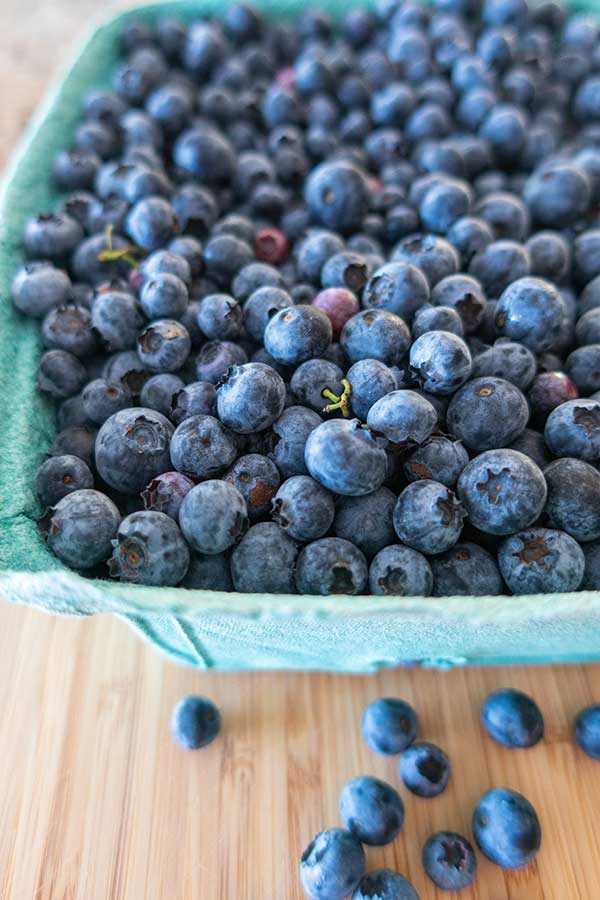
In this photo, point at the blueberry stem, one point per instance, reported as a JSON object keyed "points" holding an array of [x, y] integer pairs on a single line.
{"points": [[338, 402]]}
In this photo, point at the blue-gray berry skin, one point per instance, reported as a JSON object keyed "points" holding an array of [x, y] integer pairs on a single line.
{"points": [[573, 503], [487, 413], [502, 490], [509, 360], [432, 254], [311, 378], [506, 828], [264, 561], [164, 345], [303, 508], [591, 574], [164, 296], [81, 527], [152, 223], [195, 399], [208, 572], [149, 549], [297, 333], [172, 261], [51, 236], [449, 860], [541, 561], [372, 810], [287, 441], [375, 334], [331, 566], [220, 317], [464, 294], [213, 516], [398, 287], [60, 374], [389, 726], [39, 287], [573, 429], [367, 522], [332, 865], [158, 392], [132, 448], [250, 398], [126, 369], [587, 731], [441, 361], [512, 718], [257, 479], [400, 571], [467, 570], [369, 380], [69, 327], [261, 305], [118, 319], [437, 318], [75, 440], [59, 476], [216, 357], [531, 311], [202, 447], [403, 417], [428, 517], [424, 769], [345, 457], [165, 493], [439, 458], [383, 884], [195, 722], [337, 194]]}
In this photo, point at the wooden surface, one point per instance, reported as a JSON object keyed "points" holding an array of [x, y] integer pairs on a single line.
{"points": [[99, 804]]}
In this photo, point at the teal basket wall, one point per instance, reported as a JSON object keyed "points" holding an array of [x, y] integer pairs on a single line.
{"points": [[211, 629]]}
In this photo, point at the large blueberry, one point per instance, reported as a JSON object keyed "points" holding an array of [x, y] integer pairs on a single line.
{"points": [[264, 561], [389, 725], [250, 398], [202, 447], [424, 769], [428, 517], [466, 570], [372, 810], [506, 828], [512, 718], [331, 566], [449, 860], [332, 865], [487, 413], [149, 549], [541, 561], [81, 527], [213, 516], [132, 448], [345, 457], [404, 417]]}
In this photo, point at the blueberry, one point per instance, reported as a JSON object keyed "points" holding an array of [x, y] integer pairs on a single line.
{"points": [[428, 517], [531, 311], [573, 429], [287, 442], [433, 255], [216, 358], [332, 865], [444, 203], [297, 333], [164, 345], [346, 269], [400, 288], [164, 296], [213, 516], [550, 255], [303, 508], [101, 399], [439, 458], [158, 392], [313, 252], [559, 192], [371, 810], [60, 374], [466, 570], [508, 360], [75, 440], [132, 448], [541, 561], [331, 566], [424, 769], [81, 527], [503, 491], [125, 368], [51, 236], [211, 573], [250, 398], [449, 860], [512, 718], [587, 731], [506, 828], [195, 722], [260, 306], [499, 264], [117, 318], [403, 417], [201, 447], [59, 476], [463, 294], [312, 378], [264, 560], [383, 884], [197, 398], [507, 216], [152, 223], [375, 334], [367, 522], [337, 194], [149, 549], [389, 726], [440, 361], [573, 503], [369, 380], [253, 276], [345, 457], [184, 249], [38, 288], [257, 479], [582, 368], [487, 413]]}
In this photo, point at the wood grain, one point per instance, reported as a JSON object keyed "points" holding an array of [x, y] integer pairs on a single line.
{"points": [[99, 804]]}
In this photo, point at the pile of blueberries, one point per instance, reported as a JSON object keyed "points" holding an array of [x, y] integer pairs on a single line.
{"points": [[321, 305], [505, 824]]}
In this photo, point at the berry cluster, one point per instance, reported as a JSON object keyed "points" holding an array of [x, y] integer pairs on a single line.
{"points": [[321, 305]]}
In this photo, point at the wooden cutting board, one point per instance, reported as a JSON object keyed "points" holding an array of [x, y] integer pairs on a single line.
{"points": [[98, 803]]}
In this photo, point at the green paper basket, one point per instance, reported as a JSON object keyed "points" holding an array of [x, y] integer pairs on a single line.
{"points": [[210, 629]]}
